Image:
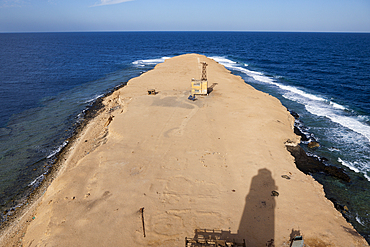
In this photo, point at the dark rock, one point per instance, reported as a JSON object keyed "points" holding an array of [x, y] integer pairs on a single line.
{"points": [[323, 159], [294, 114], [306, 164], [337, 172], [298, 132], [340, 207], [309, 164], [313, 144], [274, 193]]}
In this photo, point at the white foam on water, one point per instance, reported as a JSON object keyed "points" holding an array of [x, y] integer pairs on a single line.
{"points": [[352, 123], [258, 76], [356, 167], [316, 105], [37, 180], [359, 220], [332, 149], [93, 99], [57, 150], [224, 61], [337, 106], [364, 118], [300, 93], [144, 62], [349, 165]]}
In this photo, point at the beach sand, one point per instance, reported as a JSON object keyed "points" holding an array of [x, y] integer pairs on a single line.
{"points": [[151, 169]]}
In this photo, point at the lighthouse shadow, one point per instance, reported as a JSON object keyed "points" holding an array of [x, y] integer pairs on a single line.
{"points": [[256, 227]]}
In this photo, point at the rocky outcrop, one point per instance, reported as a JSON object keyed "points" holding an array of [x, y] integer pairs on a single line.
{"points": [[309, 164], [298, 132], [313, 144]]}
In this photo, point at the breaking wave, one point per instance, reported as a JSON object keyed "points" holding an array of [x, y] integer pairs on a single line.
{"points": [[314, 104], [144, 62]]}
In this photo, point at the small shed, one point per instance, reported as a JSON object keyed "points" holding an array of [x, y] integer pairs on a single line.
{"points": [[199, 87]]}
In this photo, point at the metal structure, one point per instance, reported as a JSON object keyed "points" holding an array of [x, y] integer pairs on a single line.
{"points": [[204, 71], [213, 238]]}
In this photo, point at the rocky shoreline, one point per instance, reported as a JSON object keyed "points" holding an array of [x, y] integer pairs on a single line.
{"points": [[10, 229], [312, 165], [184, 161]]}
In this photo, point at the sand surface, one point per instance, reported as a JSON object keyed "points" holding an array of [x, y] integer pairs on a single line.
{"points": [[206, 164]]}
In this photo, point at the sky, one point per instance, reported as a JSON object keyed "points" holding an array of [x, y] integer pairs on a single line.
{"points": [[184, 15]]}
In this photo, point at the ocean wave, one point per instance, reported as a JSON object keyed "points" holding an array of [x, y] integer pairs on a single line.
{"points": [[358, 219], [350, 122], [356, 166], [314, 104], [37, 180], [93, 98], [224, 61], [333, 149], [154, 61], [258, 76], [338, 106], [57, 150], [364, 118]]}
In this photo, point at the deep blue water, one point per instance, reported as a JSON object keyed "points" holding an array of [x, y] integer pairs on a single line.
{"points": [[48, 79]]}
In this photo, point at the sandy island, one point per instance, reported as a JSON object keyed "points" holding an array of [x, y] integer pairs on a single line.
{"points": [[150, 170]]}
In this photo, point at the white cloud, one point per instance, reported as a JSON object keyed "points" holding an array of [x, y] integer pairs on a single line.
{"points": [[109, 2]]}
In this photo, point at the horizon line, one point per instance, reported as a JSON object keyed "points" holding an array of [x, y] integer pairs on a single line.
{"points": [[224, 31]]}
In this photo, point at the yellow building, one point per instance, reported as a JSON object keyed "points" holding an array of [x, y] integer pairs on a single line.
{"points": [[199, 87]]}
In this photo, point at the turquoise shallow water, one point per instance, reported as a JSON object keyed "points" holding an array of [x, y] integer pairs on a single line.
{"points": [[48, 80]]}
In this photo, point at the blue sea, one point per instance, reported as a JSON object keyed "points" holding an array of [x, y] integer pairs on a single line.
{"points": [[48, 80]]}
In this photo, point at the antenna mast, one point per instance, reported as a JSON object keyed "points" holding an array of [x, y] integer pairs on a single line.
{"points": [[204, 72]]}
